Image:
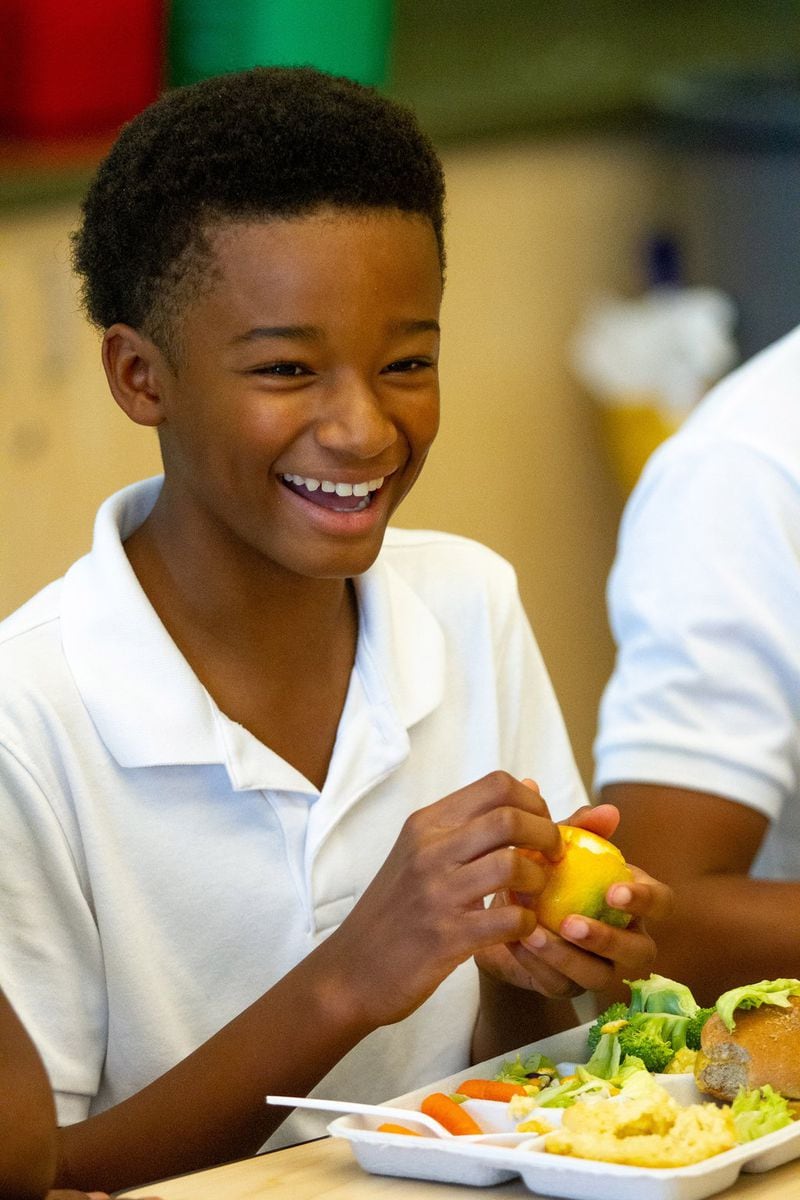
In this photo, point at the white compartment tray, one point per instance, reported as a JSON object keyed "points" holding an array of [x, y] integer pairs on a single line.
{"points": [[480, 1164]]}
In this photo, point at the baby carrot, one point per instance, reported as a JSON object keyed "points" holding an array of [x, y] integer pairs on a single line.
{"points": [[450, 1114], [490, 1089], [388, 1127]]}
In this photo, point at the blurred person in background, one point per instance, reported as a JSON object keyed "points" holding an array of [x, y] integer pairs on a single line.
{"points": [[28, 1135], [699, 731]]}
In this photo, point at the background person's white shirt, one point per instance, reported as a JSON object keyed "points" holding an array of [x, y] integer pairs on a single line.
{"points": [[704, 602]]}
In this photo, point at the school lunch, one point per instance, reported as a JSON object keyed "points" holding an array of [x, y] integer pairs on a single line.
{"points": [[618, 1106]]}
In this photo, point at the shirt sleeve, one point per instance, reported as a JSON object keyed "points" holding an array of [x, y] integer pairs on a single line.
{"points": [[703, 601], [50, 955]]}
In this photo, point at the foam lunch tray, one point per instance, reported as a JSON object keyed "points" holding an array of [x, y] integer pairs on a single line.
{"points": [[509, 1155]]}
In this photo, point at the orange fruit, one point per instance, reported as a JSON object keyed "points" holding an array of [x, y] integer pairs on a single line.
{"points": [[578, 882]]}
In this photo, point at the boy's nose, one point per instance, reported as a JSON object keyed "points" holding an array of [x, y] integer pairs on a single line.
{"points": [[353, 420]]}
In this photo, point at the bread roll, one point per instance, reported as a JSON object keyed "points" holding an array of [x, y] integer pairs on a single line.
{"points": [[764, 1047]]}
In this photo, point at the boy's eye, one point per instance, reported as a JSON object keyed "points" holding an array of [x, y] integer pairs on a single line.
{"points": [[285, 370], [408, 364]]}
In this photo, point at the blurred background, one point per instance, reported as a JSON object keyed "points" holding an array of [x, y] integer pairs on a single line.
{"points": [[623, 196]]}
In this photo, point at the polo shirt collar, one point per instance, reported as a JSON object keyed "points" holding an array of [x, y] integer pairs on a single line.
{"points": [[149, 707]]}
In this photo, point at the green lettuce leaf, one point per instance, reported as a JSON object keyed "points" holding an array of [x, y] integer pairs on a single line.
{"points": [[607, 1057], [768, 991], [661, 995], [520, 1070], [759, 1111]]}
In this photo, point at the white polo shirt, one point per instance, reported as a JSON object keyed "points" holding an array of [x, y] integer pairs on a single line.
{"points": [[161, 868], [704, 600]]}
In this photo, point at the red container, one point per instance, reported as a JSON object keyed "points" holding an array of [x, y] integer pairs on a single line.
{"points": [[71, 68]]}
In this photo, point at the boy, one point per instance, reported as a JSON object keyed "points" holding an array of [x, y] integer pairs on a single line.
{"points": [[260, 773]]}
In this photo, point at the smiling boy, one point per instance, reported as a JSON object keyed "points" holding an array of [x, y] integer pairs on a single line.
{"points": [[262, 760]]}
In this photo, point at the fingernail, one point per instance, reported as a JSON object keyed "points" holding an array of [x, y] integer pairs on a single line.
{"points": [[575, 928], [537, 940], [620, 895]]}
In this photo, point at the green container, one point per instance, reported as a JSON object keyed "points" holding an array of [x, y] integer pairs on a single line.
{"points": [[345, 37]]}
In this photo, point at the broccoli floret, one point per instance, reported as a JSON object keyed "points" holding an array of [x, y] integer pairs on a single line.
{"points": [[695, 1027], [646, 1045], [669, 1028], [615, 1012]]}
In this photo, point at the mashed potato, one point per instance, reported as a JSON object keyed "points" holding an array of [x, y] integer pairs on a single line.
{"points": [[535, 1125], [650, 1130]]}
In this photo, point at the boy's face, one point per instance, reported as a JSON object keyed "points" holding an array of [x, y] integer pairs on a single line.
{"points": [[306, 396]]}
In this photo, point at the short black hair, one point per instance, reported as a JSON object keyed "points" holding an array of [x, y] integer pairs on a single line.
{"points": [[266, 142]]}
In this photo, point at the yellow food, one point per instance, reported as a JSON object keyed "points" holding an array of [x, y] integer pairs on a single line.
{"points": [[520, 1107], [650, 1130], [683, 1062], [536, 1125], [520, 1110], [578, 882]]}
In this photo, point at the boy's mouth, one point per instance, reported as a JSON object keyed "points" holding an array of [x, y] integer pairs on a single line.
{"points": [[341, 497]]}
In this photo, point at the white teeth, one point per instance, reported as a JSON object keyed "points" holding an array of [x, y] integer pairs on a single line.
{"points": [[340, 489]]}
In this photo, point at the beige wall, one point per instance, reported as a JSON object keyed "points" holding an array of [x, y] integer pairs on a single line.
{"points": [[535, 230], [64, 445]]}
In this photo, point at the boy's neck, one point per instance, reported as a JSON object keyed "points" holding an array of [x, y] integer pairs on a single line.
{"points": [[232, 595], [274, 651]]}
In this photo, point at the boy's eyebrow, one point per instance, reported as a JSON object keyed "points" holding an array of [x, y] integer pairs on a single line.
{"points": [[307, 333], [310, 333], [422, 326]]}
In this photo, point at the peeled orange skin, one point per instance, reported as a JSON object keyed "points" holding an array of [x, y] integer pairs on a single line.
{"points": [[578, 882]]}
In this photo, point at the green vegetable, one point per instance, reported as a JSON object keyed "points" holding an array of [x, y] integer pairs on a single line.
{"points": [[618, 1011], [558, 1095], [653, 1038], [522, 1071], [564, 1093], [668, 1027], [657, 994], [695, 1027], [759, 1111], [607, 1057], [631, 1065], [637, 1080], [647, 1045], [769, 991]]}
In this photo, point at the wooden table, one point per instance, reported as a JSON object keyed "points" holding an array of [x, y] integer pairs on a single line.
{"points": [[327, 1169]]}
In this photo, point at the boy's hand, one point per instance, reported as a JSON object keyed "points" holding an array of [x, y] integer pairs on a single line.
{"points": [[586, 955], [424, 912]]}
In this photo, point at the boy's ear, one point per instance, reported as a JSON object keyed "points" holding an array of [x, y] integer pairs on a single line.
{"points": [[135, 369]]}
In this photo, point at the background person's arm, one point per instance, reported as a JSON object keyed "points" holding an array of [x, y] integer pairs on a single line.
{"points": [[725, 929], [27, 1114], [28, 1134]]}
